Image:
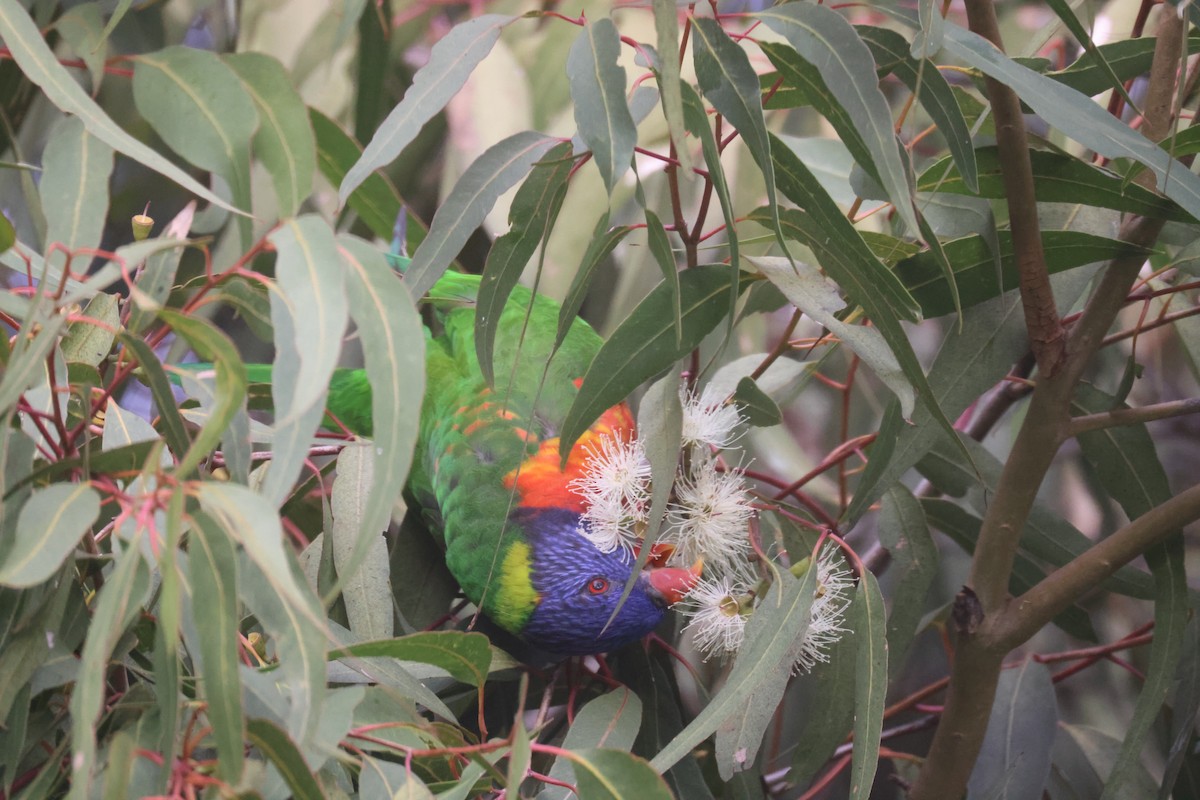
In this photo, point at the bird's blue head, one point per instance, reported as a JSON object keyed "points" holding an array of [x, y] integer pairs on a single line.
{"points": [[579, 587]]}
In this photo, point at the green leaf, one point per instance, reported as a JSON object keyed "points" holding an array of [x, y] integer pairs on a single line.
{"points": [[609, 721], [1047, 536], [1185, 708], [451, 61], [371, 70], [376, 200], [308, 273], [660, 428], [697, 124], [757, 406], [598, 92], [466, 656], [660, 248], [519, 757], [89, 340], [211, 345], [649, 674], [1058, 178], [827, 697], [8, 236], [871, 682], [781, 378], [975, 266], [1065, 13], [394, 357], [923, 79], [388, 670], [817, 296], [249, 519], [1127, 465], [904, 531], [488, 177], [117, 603], [27, 363], [152, 374], [969, 362], [1015, 759], [773, 635], [74, 186], [531, 218], [284, 141], [212, 563], [670, 83], [366, 586], [386, 779], [1127, 58], [645, 344], [805, 81], [83, 28], [603, 240], [1076, 116], [827, 41], [841, 249], [728, 81], [198, 106], [309, 315], [279, 749], [1084, 756], [124, 428], [616, 774], [39, 64], [51, 523]]}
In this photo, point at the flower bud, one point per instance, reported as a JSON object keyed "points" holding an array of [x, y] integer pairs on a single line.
{"points": [[142, 225]]}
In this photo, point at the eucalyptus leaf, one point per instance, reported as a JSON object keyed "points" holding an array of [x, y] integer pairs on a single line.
{"points": [[598, 91], [645, 344], [450, 63], [464, 209], [51, 523]]}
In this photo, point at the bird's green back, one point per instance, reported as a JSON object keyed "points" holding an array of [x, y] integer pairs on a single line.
{"points": [[474, 439]]}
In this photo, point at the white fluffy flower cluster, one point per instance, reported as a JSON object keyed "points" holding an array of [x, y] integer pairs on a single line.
{"points": [[708, 515], [719, 608], [707, 519], [615, 487]]}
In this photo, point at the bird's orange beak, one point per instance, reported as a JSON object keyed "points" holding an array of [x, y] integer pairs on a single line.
{"points": [[673, 583]]}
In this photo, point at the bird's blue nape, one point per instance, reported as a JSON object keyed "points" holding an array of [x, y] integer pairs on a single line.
{"points": [[579, 587]]}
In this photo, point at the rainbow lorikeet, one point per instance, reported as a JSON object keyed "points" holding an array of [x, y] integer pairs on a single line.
{"points": [[486, 474]]}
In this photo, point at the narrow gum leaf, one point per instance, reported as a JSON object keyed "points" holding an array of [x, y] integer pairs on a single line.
{"points": [[598, 91], [450, 63], [1067, 110], [644, 344], [871, 683], [825, 39], [488, 177], [532, 217], [50, 524], [729, 82], [284, 142]]}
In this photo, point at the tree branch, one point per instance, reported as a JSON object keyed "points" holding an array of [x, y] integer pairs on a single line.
{"points": [[1046, 334], [1033, 610], [1129, 416], [987, 631]]}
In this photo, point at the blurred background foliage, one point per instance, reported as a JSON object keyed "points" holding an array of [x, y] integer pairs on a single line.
{"points": [[111, 688]]}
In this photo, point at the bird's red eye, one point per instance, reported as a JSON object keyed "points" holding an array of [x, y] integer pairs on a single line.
{"points": [[597, 585]]}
